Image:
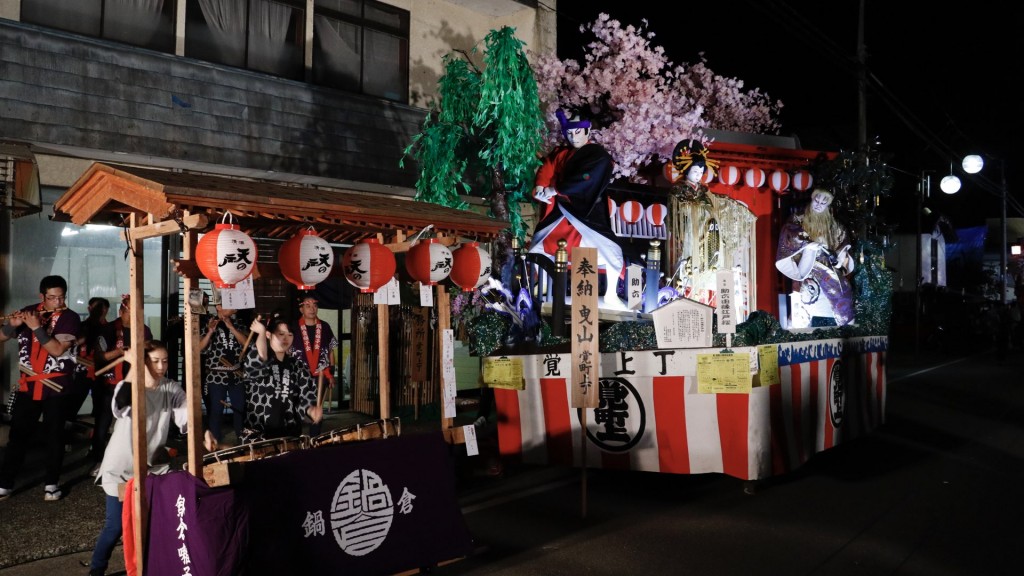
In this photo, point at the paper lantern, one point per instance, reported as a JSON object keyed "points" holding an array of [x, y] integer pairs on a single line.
{"points": [[368, 265], [670, 173], [656, 214], [754, 177], [429, 261], [226, 255], [802, 180], [471, 266], [779, 181], [631, 211], [305, 259], [707, 176], [729, 175]]}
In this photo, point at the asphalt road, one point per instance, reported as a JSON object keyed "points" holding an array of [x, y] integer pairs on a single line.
{"points": [[934, 491]]}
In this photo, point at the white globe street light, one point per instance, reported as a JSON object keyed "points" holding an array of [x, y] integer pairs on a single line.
{"points": [[973, 163], [950, 184]]}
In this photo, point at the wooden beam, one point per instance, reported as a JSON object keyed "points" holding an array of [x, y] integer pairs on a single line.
{"points": [[193, 365], [166, 227], [383, 320], [138, 415]]}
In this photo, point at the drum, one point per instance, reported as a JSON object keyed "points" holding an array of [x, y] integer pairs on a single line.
{"points": [[256, 450], [391, 427]]}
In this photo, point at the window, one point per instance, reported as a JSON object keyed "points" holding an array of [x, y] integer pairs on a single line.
{"points": [[260, 35], [361, 46], [146, 23]]}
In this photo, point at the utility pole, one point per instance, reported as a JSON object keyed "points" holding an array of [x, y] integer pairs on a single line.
{"points": [[862, 82]]}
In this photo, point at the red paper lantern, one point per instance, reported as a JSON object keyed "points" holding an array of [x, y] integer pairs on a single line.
{"points": [[368, 265], [631, 211], [471, 266], [656, 214], [429, 261], [729, 175], [802, 180], [754, 177], [305, 259], [670, 173], [226, 256], [779, 181], [707, 176]]}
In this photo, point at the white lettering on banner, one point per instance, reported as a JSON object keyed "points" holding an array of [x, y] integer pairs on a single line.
{"points": [[405, 502], [183, 555], [313, 525], [362, 513]]}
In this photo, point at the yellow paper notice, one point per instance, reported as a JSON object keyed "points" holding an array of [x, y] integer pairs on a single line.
{"points": [[768, 356], [723, 373], [504, 372]]}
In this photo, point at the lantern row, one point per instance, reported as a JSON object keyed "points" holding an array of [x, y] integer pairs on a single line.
{"points": [[778, 180], [227, 256]]}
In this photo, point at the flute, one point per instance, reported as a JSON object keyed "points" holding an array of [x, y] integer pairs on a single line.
{"points": [[46, 381], [45, 314]]}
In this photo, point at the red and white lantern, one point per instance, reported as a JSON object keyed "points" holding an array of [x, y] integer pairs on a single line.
{"points": [[631, 211], [656, 214], [305, 259], [802, 180], [707, 176], [754, 177], [729, 175], [471, 266], [429, 261], [779, 181], [670, 173], [226, 256], [368, 265]]}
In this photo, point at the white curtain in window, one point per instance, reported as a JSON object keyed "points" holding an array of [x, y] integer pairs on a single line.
{"points": [[268, 32], [134, 21], [226, 19], [339, 49], [382, 69]]}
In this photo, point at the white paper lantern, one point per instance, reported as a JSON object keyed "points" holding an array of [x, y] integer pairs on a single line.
{"points": [[779, 181], [306, 259]]}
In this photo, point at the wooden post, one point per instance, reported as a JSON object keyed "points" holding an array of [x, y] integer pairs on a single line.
{"points": [[444, 321], [192, 375], [138, 413], [382, 360]]}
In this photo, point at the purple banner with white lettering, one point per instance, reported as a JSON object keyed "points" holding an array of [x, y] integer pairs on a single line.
{"points": [[375, 507], [194, 529]]}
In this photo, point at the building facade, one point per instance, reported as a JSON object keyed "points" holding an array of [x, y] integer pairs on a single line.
{"points": [[317, 93]]}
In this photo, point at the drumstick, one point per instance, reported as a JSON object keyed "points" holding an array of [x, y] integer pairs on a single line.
{"points": [[241, 356], [110, 366], [46, 381], [85, 361]]}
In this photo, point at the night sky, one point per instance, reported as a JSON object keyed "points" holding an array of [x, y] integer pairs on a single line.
{"points": [[945, 78]]}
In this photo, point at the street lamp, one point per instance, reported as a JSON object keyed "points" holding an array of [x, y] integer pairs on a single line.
{"points": [[972, 164]]}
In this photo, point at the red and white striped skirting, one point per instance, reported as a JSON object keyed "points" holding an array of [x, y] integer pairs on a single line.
{"points": [[652, 418]]}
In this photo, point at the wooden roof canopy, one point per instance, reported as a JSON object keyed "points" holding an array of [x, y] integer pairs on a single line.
{"points": [[107, 194]]}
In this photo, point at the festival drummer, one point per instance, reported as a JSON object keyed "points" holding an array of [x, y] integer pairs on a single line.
{"points": [[281, 390]]}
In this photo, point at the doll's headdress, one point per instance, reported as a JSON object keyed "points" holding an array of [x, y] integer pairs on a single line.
{"points": [[690, 152]]}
